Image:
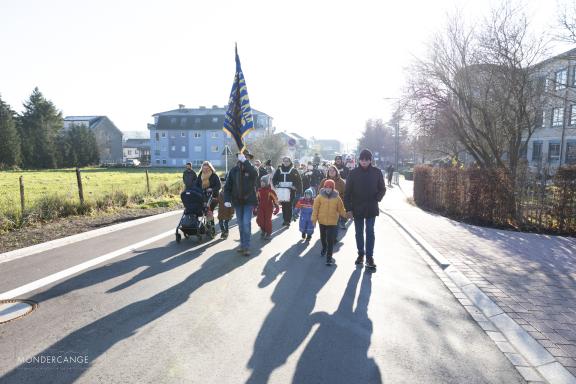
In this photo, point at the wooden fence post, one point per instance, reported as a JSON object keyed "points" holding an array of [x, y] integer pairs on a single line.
{"points": [[80, 190], [147, 182], [22, 205]]}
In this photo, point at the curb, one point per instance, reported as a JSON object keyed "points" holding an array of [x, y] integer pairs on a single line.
{"points": [[34, 249], [532, 361]]}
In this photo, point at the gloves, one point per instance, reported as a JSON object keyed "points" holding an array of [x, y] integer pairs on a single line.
{"points": [[227, 205], [241, 158], [276, 210]]}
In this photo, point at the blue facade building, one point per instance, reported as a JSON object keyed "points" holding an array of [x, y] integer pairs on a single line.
{"points": [[195, 135]]}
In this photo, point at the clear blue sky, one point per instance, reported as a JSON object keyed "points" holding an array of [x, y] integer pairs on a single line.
{"points": [[320, 68]]}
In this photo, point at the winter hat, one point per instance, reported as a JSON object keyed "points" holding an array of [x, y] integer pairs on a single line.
{"points": [[329, 184], [265, 180], [309, 192], [365, 155]]}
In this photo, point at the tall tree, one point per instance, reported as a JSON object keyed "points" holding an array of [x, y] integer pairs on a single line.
{"points": [[9, 138], [481, 86], [77, 147], [39, 125], [268, 147], [378, 137]]}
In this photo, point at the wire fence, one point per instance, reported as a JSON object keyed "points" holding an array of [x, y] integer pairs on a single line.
{"points": [[533, 201]]}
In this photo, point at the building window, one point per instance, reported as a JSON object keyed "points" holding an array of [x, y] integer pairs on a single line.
{"points": [[182, 134], [570, 157], [574, 75], [537, 151], [554, 151], [156, 152], [214, 148], [173, 121], [157, 161], [197, 120], [163, 161], [173, 148], [573, 114], [524, 151], [215, 135], [560, 79], [544, 119], [157, 136], [214, 119], [557, 117], [183, 122], [163, 134], [183, 148], [197, 135], [197, 148]]}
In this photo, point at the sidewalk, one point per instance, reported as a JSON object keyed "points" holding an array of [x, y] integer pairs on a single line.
{"points": [[531, 277]]}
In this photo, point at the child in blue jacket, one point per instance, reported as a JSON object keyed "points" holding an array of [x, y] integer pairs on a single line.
{"points": [[304, 205]]}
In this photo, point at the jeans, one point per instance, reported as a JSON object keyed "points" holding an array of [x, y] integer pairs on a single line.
{"points": [[223, 225], [244, 219], [359, 225], [328, 237]]}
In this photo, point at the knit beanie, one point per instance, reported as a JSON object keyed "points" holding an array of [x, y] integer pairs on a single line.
{"points": [[365, 154], [329, 184]]}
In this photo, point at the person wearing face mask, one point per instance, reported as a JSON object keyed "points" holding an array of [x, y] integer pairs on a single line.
{"points": [[327, 208], [240, 192], [364, 190], [286, 176]]}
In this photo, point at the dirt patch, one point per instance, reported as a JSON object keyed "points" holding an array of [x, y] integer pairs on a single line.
{"points": [[40, 233]]}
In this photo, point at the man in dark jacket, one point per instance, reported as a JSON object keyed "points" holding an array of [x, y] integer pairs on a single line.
{"points": [[364, 190], [287, 176], [189, 176], [339, 164], [240, 192]]}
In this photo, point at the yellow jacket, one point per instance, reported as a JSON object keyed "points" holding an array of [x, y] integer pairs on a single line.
{"points": [[327, 208]]}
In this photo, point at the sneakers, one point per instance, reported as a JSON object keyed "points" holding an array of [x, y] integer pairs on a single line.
{"points": [[359, 260], [246, 252], [329, 260], [308, 237], [370, 263], [240, 250], [224, 235], [303, 235], [323, 252]]}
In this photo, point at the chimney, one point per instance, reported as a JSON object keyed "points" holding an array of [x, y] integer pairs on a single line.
{"points": [[181, 106], [202, 107], [214, 107]]}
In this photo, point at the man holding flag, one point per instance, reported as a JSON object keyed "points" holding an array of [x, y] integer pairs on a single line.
{"points": [[240, 188]]}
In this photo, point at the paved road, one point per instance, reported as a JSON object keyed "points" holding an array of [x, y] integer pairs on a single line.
{"points": [[185, 313]]}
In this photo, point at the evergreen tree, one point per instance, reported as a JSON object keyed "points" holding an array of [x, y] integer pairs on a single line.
{"points": [[39, 125], [9, 139], [77, 147]]}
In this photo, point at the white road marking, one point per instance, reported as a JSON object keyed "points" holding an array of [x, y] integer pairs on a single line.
{"points": [[14, 293]]}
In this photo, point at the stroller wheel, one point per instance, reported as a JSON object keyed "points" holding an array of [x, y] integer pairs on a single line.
{"points": [[178, 237]]}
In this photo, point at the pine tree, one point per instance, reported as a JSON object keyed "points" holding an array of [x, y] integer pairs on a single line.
{"points": [[9, 139], [77, 147], [39, 125]]}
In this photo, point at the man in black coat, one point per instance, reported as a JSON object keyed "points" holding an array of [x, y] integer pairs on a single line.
{"points": [[339, 164], [240, 192], [364, 190], [189, 176], [286, 175]]}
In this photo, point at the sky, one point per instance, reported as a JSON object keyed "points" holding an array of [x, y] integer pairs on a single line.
{"points": [[319, 68]]}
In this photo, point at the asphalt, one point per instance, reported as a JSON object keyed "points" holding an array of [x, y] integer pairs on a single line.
{"points": [[188, 313]]}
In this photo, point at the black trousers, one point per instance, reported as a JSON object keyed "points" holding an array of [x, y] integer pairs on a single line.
{"points": [[287, 211], [223, 225], [328, 237]]}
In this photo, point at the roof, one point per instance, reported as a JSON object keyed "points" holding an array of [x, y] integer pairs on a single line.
{"points": [[214, 111], [193, 119], [135, 143], [91, 119]]}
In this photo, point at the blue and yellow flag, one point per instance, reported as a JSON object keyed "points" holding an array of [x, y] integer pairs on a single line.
{"points": [[238, 121]]}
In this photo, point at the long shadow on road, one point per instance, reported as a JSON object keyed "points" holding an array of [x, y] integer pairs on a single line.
{"points": [[94, 339]]}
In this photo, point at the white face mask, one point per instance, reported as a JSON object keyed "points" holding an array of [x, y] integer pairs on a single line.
{"points": [[310, 167], [328, 190]]}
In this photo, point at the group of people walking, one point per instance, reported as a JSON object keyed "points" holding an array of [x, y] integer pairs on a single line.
{"points": [[303, 192]]}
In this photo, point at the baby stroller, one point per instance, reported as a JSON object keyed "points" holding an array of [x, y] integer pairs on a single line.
{"points": [[197, 217]]}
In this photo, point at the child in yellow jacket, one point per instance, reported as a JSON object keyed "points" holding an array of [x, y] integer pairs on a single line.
{"points": [[328, 207]]}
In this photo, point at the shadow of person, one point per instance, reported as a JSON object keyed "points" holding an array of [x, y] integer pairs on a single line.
{"points": [[94, 339], [338, 351], [289, 321]]}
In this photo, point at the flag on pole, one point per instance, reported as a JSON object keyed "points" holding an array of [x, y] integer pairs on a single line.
{"points": [[238, 120]]}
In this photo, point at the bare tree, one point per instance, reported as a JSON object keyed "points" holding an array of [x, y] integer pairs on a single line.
{"points": [[268, 147], [567, 22], [479, 87]]}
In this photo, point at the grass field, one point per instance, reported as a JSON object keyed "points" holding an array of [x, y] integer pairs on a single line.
{"points": [[54, 193]]}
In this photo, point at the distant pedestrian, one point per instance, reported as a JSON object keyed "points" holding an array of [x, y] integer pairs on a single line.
{"points": [[341, 167], [286, 176], [267, 206], [364, 190], [189, 176], [389, 173], [328, 206], [240, 192], [305, 206], [225, 214]]}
